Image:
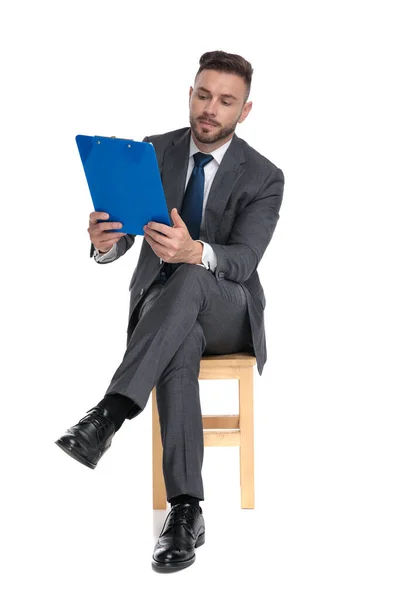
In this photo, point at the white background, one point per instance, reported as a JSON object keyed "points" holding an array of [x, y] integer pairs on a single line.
{"points": [[326, 523]]}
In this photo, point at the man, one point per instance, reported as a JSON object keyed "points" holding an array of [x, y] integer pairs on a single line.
{"points": [[195, 290]]}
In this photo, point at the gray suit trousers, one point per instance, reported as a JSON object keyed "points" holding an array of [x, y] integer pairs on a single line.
{"points": [[181, 319]]}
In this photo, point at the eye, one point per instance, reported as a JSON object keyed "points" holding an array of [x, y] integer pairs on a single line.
{"points": [[201, 97], [226, 103]]}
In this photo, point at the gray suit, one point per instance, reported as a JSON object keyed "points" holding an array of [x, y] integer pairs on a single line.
{"points": [[197, 311], [240, 218]]}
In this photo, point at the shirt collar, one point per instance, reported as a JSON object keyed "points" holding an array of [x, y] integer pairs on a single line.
{"points": [[217, 154]]}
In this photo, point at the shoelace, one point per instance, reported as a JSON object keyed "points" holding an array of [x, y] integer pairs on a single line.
{"points": [[180, 515], [98, 419]]}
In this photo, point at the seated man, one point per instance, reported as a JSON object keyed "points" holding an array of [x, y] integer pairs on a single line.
{"points": [[224, 199]]}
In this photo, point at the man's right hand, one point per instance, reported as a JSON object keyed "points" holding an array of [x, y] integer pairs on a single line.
{"points": [[98, 232]]}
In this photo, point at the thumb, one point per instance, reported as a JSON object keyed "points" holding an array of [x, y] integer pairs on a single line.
{"points": [[178, 221]]}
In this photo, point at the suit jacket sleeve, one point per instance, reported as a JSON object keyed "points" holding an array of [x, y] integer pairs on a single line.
{"points": [[123, 243], [252, 231]]}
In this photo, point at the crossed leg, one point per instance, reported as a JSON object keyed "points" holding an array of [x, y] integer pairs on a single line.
{"points": [[189, 315]]}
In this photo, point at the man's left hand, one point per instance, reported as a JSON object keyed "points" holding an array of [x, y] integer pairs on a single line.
{"points": [[176, 245]]}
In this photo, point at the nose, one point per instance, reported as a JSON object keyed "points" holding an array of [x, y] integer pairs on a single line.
{"points": [[211, 108]]}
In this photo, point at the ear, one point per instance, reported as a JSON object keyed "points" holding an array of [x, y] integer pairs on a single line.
{"points": [[245, 111]]}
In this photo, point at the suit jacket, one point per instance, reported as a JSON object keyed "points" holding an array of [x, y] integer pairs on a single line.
{"points": [[240, 218]]}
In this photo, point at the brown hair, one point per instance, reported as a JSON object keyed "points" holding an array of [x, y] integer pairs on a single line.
{"points": [[228, 63]]}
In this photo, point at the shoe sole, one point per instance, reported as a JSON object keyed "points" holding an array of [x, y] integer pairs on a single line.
{"points": [[75, 455], [163, 567]]}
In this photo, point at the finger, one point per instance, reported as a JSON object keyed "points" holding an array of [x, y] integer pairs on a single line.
{"points": [[108, 225], [165, 229], [116, 239], [108, 239], [104, 226], [150, 240], [157, 248], [162, 240], [97, 216]]}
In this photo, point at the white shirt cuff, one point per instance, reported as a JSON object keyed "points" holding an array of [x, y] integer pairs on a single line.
{"points": [[107, 256], [209, 258]]}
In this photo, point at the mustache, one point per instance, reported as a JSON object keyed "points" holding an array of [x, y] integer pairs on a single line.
{"points": [[208, 120]]}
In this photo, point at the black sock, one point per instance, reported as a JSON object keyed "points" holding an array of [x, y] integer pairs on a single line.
{"points": [[185, 498], [118, 406]]}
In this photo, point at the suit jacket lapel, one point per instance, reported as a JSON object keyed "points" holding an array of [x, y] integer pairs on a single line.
{"points": [[229, 172], [175, 166], [176, 161]]}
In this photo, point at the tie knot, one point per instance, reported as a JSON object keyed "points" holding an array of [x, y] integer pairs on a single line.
{"points": [[201, 159]]}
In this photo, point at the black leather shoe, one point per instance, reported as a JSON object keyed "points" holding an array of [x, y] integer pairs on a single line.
{"points": [[89, 439], [182, 532]]}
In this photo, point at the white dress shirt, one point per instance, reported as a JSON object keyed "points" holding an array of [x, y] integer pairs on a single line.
{"points": [[209, 258]]}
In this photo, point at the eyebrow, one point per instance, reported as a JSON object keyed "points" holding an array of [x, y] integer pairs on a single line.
{"points": [[224, 95]]}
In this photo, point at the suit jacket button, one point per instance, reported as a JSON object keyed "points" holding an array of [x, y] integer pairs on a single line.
{"points": [[142, 291], [221, 274]]}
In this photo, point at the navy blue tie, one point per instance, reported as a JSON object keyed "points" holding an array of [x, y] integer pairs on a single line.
{"points": [[193, 201], [192, 208]]}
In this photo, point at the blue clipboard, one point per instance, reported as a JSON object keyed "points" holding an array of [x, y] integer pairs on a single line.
{"points": [[124, 181]]}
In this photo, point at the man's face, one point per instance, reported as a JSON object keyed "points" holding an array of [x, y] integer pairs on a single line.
{"points": [[218, 98]]}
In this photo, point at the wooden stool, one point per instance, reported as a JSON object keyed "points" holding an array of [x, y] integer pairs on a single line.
{"points": [[219, 430]]}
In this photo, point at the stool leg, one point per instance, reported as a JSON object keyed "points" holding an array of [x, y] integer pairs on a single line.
{"points": [[159, 494], [246, 424]]}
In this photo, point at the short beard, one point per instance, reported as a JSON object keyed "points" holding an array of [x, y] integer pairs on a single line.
{"points": [[210, 137]]}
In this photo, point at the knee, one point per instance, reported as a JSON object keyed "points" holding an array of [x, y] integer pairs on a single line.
{"points": [[189, 271]]}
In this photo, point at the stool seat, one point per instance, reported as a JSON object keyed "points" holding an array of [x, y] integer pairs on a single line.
{"points": [[218, 430]]}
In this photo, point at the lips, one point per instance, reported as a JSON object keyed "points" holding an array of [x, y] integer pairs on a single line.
{"points": [[207, 123]]}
